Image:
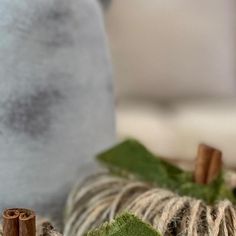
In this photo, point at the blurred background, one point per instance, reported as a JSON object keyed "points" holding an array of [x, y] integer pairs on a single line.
{"points": [[175, 73]]}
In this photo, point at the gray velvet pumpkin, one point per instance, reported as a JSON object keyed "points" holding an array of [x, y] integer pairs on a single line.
{"points": [[56, 106]]}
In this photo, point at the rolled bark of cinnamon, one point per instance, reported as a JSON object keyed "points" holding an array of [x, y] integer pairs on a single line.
{"points": [[202, 163], [27, 223], [215, 166], [11, 222]]}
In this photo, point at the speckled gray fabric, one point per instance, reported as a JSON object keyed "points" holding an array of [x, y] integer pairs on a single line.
{"points": [[56, 106], [105, 3]]}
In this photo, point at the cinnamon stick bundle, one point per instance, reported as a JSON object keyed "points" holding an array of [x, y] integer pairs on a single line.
{"points": [[19, 222], [10, 222], [27, 223], [215, 166], [208, 164]]}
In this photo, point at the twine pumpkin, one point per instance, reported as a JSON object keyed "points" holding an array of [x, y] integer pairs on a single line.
{"points": [[101, 197]]}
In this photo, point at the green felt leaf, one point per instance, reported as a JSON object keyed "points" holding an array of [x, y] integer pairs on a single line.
{"points": [[131, 158], [125, 225]]}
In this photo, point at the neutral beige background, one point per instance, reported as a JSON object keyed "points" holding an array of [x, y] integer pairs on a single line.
{"points": [[163, 50], [166, 49]]}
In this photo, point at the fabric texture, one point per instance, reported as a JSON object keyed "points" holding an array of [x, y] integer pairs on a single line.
{"points": [[56, 108], [102, 197]]}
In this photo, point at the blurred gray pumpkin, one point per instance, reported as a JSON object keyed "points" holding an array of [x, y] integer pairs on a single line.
{"points": [[56, 106]]}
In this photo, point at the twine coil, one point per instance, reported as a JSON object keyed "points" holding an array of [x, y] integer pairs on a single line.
{"points": [[101, 197]]}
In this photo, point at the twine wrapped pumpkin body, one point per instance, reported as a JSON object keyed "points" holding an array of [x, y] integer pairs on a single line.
{"points": [[100, 198], [159, 193]]}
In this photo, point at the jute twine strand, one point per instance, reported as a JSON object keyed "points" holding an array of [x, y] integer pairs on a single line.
{"points": [[101, 197]]}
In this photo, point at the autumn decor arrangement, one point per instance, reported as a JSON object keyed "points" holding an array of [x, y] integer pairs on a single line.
{"points": [[142, 194], [173, 201]]}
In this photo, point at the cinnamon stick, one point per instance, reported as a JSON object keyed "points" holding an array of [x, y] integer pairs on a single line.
{"points": [[27, 223], [202, 163], [215, 166], [11, 222]]}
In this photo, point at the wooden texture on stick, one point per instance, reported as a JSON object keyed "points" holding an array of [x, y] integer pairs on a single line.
{"points": [[19, 222], [215, 166], [11, 222], [27, 223], [202, 163], [208, 164]]}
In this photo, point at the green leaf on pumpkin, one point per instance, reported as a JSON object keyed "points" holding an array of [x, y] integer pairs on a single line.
{"points": [[125, 225], [131, 158]]}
